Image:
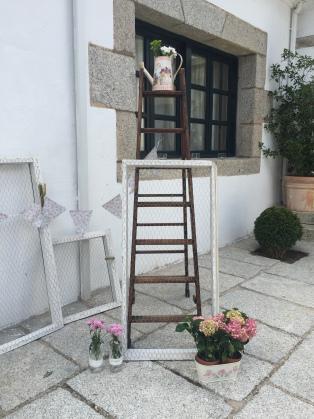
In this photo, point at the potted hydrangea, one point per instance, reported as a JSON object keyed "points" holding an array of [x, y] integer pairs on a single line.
{"points": [[164, 76], [96, 347], [220, 342]]}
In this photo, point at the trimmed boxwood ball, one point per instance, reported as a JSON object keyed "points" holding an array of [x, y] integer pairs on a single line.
{"points": [[277, 230]]}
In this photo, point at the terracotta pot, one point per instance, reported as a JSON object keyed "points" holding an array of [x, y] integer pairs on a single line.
{"points": [[203, 362], [208, 372], [299, 193]]}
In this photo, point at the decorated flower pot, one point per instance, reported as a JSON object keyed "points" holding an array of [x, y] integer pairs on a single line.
{"points": [[164, 76], [209, 372]]}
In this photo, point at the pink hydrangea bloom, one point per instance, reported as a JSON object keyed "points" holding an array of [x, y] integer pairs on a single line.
{"points": [[234, 327], [95, 324], [250, 327], [219, 319], [115, 329]]}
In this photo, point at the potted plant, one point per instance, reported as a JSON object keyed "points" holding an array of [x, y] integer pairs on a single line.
{"points": [[115, 353], [219, 340], [277, 230], [291, 121], [96, 347], [164, 76]]}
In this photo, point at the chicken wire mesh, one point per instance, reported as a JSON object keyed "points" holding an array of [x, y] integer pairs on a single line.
{"points": [[86, 273], [156, 299], [29, 298]]}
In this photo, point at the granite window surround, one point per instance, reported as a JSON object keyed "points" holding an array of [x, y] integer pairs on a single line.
{"points": [[113, 82]]}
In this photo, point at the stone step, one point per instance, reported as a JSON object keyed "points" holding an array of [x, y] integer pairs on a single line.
{"points": [[308, 232], [305, 217]]}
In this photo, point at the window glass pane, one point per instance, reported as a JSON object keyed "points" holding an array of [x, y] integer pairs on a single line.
{"points": [[216, 75], [197, 104], [142, 137], [197, 137], [215, 107], [225, 76], [139, 47], [165, 106], [220, 107], [198, 70], [167, 141], [219, 138], [224, 108]]}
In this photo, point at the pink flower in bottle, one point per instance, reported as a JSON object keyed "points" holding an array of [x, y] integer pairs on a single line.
{"points": [[115, 329]]}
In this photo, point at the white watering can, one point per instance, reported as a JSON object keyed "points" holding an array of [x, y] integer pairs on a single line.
{"points": [[164, 76]]}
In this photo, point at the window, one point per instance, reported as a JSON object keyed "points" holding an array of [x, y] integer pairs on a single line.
{"points": [[211, 78]]}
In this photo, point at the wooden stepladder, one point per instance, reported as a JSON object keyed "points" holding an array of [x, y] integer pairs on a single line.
{"points": [[186, 203]]}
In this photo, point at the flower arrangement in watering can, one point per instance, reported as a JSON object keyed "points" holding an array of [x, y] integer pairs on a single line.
{"points": [[96, 347], [219, 340], [115, 354], [164, 75]]}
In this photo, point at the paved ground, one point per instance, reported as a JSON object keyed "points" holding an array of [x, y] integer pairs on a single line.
{"points": [[50, 379]]}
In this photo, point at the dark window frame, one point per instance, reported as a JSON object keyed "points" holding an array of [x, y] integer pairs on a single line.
{"points": [[187, 47]]}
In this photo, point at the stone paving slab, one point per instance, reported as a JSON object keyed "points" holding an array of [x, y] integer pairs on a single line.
{"points": [[58, 404], [281, 314], [166, 337], [297, 374], [251, 373], [74, 339], [248, 243], [10, 333], [302, 270], [30, 370], [287, 289], [270, 344], [145, 305], [147, 390], [243, 255], [232, 267], [273, 403]]}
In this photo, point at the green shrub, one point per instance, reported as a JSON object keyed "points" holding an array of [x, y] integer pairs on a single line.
{"points": [[277, 230]]}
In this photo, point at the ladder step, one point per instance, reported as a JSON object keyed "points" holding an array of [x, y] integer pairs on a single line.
{"points": [[158, 319], [152, 252], [160, 224], [164, 204], [158, 195], [154, 242], [171, 93], [174, 279], [162, 130]]}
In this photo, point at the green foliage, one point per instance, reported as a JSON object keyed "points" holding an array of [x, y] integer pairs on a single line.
{"points": [[155, 46], [277, 230], [291, 120]]}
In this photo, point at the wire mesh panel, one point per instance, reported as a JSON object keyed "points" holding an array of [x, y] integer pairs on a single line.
{"points": [[29, 299], [87, 277], [161, 268]]}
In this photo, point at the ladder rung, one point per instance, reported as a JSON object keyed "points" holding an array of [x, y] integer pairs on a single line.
{"points": [[154, 242], [164, 204], [158, 319], [151, 252], [158, 195], [157, 93], [174, 279], [160, 224], [162, 130]]}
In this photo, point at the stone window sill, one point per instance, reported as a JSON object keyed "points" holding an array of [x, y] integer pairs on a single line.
{"points": [[227, 166]]}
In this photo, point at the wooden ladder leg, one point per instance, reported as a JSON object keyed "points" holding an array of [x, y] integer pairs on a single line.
{"points": [[185, 231], [194, 245], [133, 255]]}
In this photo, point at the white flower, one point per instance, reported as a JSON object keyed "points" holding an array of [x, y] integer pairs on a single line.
{"points": [[168, 51]]}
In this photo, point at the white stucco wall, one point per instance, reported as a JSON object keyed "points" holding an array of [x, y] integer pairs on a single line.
{"points": [[37, 115]]}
